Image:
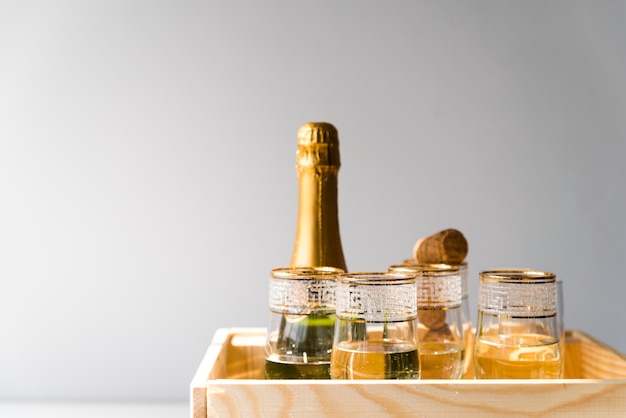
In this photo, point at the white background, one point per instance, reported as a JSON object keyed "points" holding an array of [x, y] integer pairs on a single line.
{"points": [[147, 152]]}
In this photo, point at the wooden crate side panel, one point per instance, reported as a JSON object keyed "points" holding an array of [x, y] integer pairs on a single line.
{"points": [[598, 360], [572, 356], [245, 355], [215, 365], [484, 399], [208, 366]]}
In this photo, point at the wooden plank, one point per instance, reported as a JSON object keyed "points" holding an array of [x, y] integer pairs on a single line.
{"points": [[246, 355], [206, 368], [572, 356], [598, 360], [485, 398]]}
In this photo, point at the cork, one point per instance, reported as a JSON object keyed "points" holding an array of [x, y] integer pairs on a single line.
{"points": [[432, 318], [448, 246], [442, 333]]}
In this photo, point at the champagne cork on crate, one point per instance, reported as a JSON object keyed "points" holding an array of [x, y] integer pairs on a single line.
{"points": [[448, 247]]}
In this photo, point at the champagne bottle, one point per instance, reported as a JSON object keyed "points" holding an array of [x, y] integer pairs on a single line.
{"points": [[302, 345], [318, 242]]}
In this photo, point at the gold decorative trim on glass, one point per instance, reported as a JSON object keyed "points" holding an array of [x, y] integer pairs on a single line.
{"points": [[376, 296], [517, 293], [300, 290], [439, 285]]}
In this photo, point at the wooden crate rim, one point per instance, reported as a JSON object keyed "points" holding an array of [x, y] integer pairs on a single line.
{"points": [[411, 382]]}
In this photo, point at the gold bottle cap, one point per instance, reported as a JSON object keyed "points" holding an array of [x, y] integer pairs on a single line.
{"points": [[318, 145]]}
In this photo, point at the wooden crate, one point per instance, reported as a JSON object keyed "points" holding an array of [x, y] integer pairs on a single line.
{"points": [[230, 383]]}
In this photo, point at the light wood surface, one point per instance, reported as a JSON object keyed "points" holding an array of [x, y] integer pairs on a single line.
{"points": [[229, 383]]}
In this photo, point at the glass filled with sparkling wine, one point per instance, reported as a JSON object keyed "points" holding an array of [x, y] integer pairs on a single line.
{"points": [[411, 264], [517, 335], [302, 322], [376, 327], [440, 318]]}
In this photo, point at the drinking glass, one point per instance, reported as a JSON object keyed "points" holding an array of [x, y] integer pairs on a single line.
{"points": [[302, 322], [466, 317], [376, 327], [440, 322], [517, 335]]}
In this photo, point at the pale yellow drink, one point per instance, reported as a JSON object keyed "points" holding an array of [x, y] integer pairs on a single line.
{"points": [[468, 344], [375, 359], [518, 356], [440, 360]]}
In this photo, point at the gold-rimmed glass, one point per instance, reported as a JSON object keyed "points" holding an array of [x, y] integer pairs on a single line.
{"points": [[466, 317], [376, 327], [439, 297], [517, 335], [302, 322]]}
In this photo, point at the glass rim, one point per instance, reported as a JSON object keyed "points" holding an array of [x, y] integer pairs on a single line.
{"points": [[517, 276], [413, 262], [376, 278], [426, 269], [308, 273]]}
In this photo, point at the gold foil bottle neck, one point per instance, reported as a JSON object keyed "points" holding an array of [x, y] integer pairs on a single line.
{"points": [[318, 241], [318, 146]]}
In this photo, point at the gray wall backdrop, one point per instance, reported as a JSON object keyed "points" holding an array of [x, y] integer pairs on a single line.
{"points": [[147, 152]]}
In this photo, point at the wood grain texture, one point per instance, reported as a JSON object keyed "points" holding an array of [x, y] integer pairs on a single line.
{"points": [[229, 383], [208, 367], [419, 398]]}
